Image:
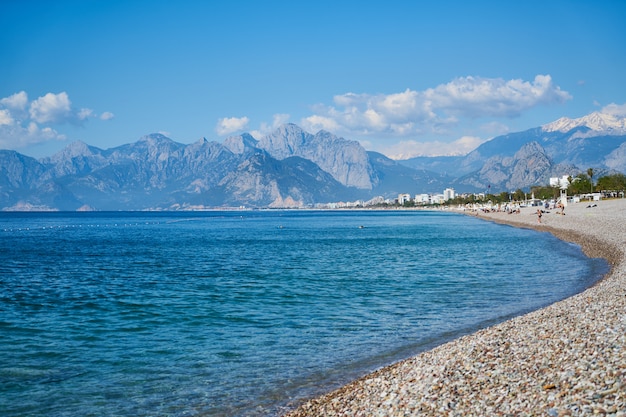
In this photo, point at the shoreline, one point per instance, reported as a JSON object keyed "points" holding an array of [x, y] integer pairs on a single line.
{"points": [[566, 359]]}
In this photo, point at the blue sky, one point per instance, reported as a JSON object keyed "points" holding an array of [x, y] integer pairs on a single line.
{"points": [[404, 78]]}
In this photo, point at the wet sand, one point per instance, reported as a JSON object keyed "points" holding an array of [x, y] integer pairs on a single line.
{"points": [[567, 359]]}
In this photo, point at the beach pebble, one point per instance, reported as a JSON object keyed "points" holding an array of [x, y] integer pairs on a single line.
{"points": [[568, 359]]}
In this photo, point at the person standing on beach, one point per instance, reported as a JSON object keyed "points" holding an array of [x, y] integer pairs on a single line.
{"points": [[539, 215]]}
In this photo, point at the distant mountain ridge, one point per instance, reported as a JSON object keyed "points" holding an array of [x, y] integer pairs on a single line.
{"points": [[596, 121], [345, 160], [293, 168], [523, 159], [289, 168]]}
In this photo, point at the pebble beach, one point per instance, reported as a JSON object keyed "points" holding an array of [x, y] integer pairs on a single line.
{"points": [[567, 359]]}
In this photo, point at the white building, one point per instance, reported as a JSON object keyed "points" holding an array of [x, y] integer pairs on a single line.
{"points": [[448, 194], [422, 199], [437, 199], [561, 183], [403, 198]]}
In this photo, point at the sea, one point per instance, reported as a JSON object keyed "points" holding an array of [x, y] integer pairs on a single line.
{"points": [[247, 313]]}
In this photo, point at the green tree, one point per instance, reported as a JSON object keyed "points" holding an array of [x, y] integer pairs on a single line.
{"points": [[519, 195], [543, 193], [614, 182], [579, 184]]}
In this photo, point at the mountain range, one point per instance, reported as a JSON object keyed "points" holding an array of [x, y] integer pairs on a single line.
{"points": [[293, 168], [523, 159]]}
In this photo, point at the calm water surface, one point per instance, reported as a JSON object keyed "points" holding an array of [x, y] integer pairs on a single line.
{"points": [[242, 313]]}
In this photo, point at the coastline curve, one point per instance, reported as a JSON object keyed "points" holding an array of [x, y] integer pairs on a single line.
{"points": [[566, 359]]}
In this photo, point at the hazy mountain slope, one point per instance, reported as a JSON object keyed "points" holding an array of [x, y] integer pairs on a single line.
{"points": [[394, 178], [263, 181], [568, 146], [445, 165], [345, 160], [156, 172]]}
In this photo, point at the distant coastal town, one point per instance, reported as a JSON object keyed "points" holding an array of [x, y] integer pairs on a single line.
{"points": [[565, 189]]}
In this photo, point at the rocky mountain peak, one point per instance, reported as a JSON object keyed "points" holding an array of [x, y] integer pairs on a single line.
{"points": [[73, 150], [285, 141], [155, 145], [154, 138], [529, 165], [345, 160], [241, 144], [596, 121], [529, 149]]}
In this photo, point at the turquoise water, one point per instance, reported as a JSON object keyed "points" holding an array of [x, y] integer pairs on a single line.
{"points": [[245, 313]]}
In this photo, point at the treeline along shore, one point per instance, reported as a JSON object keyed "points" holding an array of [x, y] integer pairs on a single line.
{"points": [[567, 359]]}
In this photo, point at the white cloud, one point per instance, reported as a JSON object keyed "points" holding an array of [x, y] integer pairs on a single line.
{"points": [[280, 119], [230, 125], [411, 148], [107, 115], [618, 110], [51, 108], [16, 101], [265, 128], [434, 110], [84, 114], [315, 123], [494, 97], [23, 123], [18, 136], [5, 118], [15, 106], [495, 128], [57, 109], [466, 144]]}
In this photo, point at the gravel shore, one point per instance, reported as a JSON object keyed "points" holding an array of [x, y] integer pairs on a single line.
{"points": [[568, 359]]}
